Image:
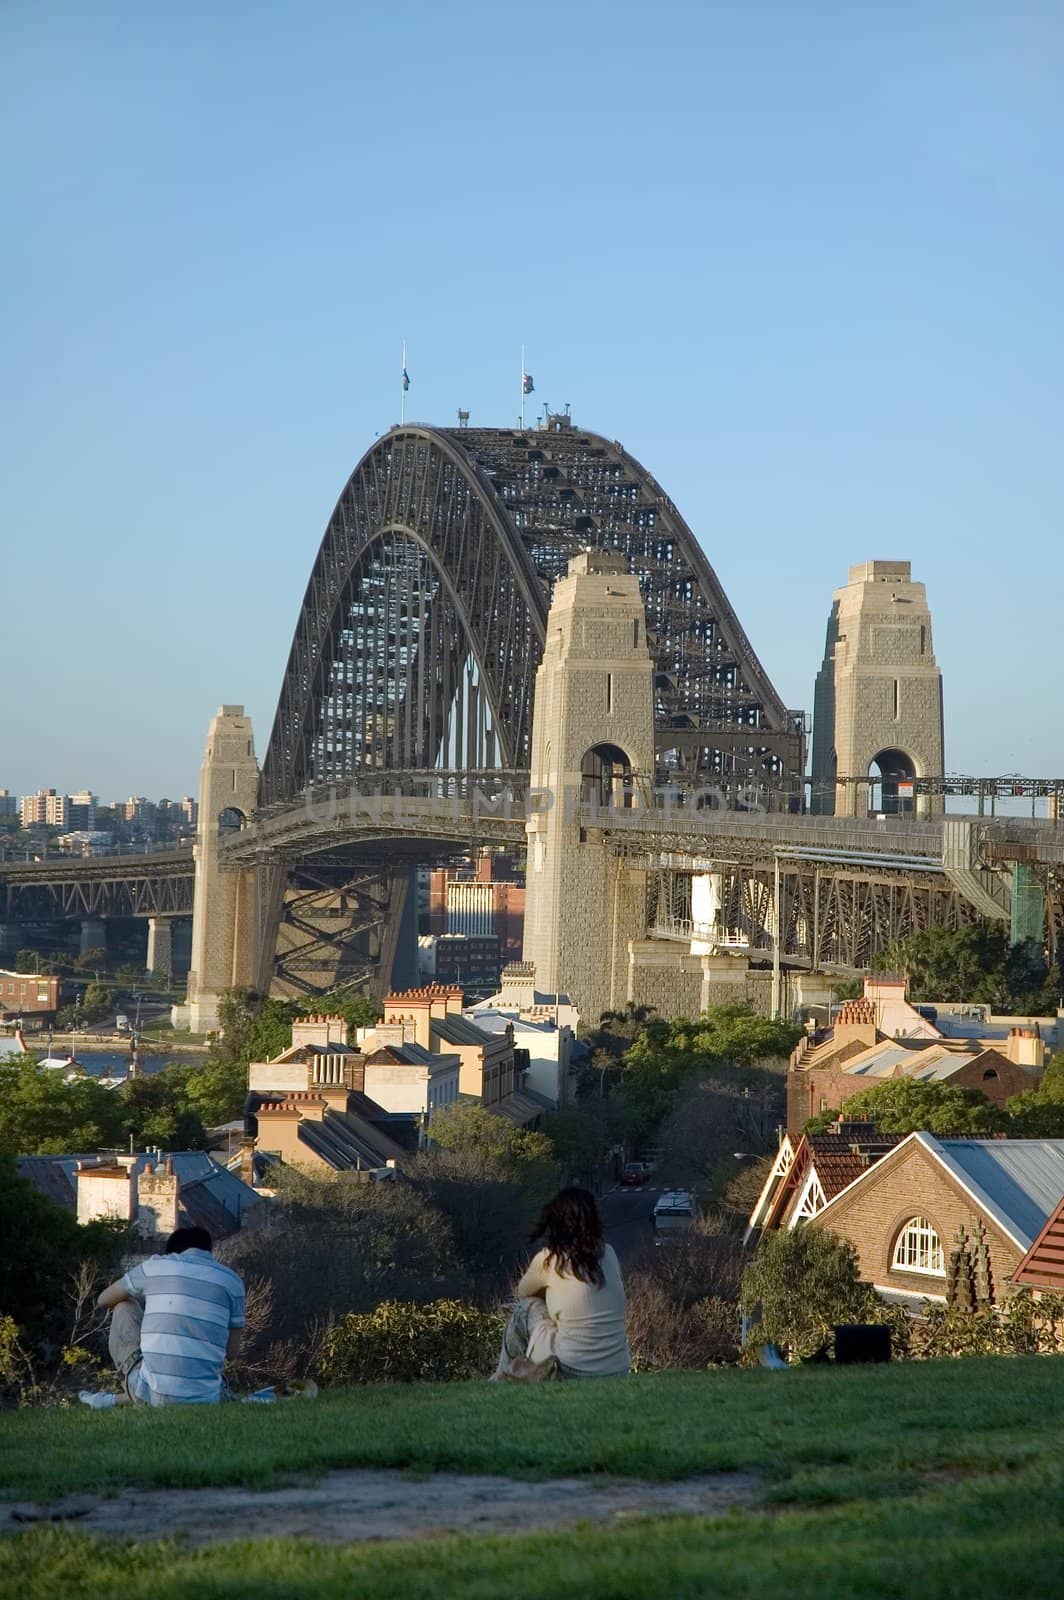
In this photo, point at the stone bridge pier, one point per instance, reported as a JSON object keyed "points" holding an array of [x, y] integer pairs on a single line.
{"points": [[224, 917]]}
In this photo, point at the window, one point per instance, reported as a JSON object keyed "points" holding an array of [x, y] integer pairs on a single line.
{"points": [[919, 1249]]}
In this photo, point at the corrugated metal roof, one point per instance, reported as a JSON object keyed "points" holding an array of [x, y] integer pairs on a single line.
{"points": [[454, 1029], [50, 1176], [1019, 1182], [209, 1194], [338, 1141], [929, 1065], [518, 1108]]}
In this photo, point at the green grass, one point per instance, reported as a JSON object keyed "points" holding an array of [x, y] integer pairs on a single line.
{"points": [[916, 1479]]}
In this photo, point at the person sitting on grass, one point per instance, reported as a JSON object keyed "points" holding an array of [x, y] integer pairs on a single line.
{"points": [[175, 1321], [568, 1319]]}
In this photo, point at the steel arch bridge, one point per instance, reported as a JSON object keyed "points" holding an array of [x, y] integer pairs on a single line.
{"points": [[424, 618], [422, 627]]}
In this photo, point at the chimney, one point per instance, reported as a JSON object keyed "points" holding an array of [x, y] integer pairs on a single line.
{"points": [[246, 1154], [157, 1200], [1025, 1048], [104, 1191], [319, 1030]]}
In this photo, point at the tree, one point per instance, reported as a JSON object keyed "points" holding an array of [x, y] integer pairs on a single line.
{"points": [[902, 1105], [804, 1281], [257, 1029], [157, 1110], [489, 1179], [1039, 1113], [582, 1136], [92, 960], [96, 1002], [975, 964], [44, 1113], [729, 1040], [347, 1244], [41, 1245]]}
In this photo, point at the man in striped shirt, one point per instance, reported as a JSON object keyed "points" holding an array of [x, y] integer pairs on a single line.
{"points": [[175, 1321]]}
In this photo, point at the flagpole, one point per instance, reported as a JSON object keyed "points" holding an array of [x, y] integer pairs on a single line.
{"points": [[402, 389], [522, 388]]}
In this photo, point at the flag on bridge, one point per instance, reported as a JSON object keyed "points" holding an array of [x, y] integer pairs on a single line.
{"points": [[527, 385], [406, 380]]}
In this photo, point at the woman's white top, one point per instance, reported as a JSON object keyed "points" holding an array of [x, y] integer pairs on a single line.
{"points": [[590, 1340]]}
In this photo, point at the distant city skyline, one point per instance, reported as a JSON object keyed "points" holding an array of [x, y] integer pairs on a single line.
{"points": [[803, 262]]}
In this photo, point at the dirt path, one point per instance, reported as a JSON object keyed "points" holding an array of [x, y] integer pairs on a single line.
{"points": [[345, 1507]]}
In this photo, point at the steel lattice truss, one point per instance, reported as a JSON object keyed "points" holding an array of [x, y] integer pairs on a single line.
{"points": [[833, 915], [127, 886], [424, 618]]}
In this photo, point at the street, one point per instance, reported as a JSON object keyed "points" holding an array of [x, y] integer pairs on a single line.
{"points": [[629, 1218]]}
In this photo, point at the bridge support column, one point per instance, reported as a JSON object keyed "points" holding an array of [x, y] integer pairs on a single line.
{"points": [[878, 699], [160, 946], [224, 917], [93, 935], [592, 750]]}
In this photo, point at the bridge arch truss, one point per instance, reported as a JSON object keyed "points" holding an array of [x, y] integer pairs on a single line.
{"points": [[424, 618]]}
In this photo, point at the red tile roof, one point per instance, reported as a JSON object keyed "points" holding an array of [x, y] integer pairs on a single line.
{"points": [[1043, 1265], [840, 1158]]}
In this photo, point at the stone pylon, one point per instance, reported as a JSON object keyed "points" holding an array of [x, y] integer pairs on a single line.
{"points": [[592, 749], [877, 711], [224, 921]]}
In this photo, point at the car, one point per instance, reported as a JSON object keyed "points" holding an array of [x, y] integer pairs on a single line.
{"points": [[634, 1172]]}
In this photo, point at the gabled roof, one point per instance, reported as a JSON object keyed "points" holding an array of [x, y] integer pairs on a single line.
{"points": [[828, 1161], [897, 1058], [210, 1195], [520, 1108], [454, 1029], [1043, 1265], [346, 1143], [1015, 1182], [412, 1054]]}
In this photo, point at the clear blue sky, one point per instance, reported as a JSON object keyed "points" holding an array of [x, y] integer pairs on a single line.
{"points": [[805, 260]]}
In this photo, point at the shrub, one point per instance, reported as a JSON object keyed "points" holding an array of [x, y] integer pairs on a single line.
{"points": [[664, 1334], [804, 1281], [405, 1343], [1020, 1326]]}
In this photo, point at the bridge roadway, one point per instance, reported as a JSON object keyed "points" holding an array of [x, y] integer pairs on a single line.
{"points": [[405, 812], [456, 809]]}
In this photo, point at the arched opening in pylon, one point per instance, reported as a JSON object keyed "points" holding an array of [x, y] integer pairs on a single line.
{"points": [[892, 785], [231, 820], [605, 776]]}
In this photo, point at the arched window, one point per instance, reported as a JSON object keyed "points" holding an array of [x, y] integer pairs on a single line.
{"points": [[919, 1249], [988, 1074]]}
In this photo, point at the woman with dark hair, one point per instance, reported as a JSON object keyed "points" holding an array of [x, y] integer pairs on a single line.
{"points": [[568, 1319]]}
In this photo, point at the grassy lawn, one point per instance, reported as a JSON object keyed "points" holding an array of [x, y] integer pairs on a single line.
{"points": [[918, 1480]]}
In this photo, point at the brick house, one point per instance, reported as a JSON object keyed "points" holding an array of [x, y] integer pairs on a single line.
{"points": [[324, 1104], [830, 1067], [903, 1213], [29, 995]]}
